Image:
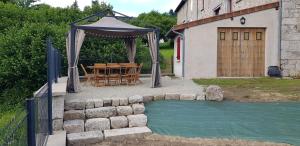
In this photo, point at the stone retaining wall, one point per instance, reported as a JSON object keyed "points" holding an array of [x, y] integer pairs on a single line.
{"points": [[94, 120]]}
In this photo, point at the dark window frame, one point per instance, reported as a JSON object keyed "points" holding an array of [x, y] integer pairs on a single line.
{"points": [[258, 35], [235, 37], [248, 36], [222, 36]]}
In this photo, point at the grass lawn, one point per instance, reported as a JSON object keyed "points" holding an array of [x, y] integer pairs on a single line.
{"points": [[167, 54], [257, 89]]}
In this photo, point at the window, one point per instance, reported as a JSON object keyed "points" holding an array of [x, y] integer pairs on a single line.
{"points": [[235, 36], [222, 35], [178, 48], [202, 5], [258, 36], [246, 35]]}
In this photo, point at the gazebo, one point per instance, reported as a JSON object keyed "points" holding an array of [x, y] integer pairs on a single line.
{"points": [[110, 27]]}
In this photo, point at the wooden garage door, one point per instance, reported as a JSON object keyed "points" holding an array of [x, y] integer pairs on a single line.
{"points": [[241, 52]]}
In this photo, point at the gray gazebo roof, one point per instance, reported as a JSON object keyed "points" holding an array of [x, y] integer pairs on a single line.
{"points": [[113, 28]]}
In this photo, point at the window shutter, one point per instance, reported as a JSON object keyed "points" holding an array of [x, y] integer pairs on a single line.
{"points": [[178, 48]]}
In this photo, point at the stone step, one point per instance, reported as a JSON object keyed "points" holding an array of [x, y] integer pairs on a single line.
{"points": [[74, 115], [74, 126], [120, 134], [84, 138]]}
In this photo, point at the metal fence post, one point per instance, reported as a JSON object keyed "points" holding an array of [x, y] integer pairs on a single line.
{"points": [[59, 63], [55, 65], [30, 122], [172, 64], [49, 80]]}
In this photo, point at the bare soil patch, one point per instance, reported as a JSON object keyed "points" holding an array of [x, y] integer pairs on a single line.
{"points": [[159, 140], [252, 95]]}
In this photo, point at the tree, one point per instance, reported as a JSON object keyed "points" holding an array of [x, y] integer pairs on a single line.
{"points": [[97, 7], [25, 3], [163, 21], [172, 13], [75, 5]]}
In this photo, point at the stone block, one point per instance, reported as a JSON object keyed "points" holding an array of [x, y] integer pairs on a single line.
{"points": [[124, 110], [97, 124], [85, 138], [107, 102], [57, 124], [74, 126], [137, 120], [102, 112], [74, 105], [201, 95], [115, 102], [124, 133], [123, 101], [138, 109], [135, 99], [159, 97], [118, 122], [148, 98], [74, 114], [172, 96], [98, 103], [188, 97], [89, 104], [214, 93]]}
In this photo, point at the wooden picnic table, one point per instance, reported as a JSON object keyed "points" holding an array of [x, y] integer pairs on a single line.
{"points": [[117, 73]]}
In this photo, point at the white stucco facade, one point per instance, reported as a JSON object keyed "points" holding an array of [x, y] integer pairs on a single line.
{"points": [[200, 57], [195, 9]]}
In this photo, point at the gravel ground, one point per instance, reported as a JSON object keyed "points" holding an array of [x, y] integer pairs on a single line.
{"points": [[168, 86]]}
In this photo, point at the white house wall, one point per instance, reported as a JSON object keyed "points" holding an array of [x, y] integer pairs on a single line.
{"points": [[242, 4], [192, 9], [201, 43]]}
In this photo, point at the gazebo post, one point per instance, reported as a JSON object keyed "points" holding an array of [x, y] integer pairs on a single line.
{"points": [[71, 88], [157, 82]]}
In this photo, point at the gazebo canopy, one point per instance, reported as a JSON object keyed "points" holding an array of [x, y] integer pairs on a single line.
{"points": [[113, 28], [110, 27]]}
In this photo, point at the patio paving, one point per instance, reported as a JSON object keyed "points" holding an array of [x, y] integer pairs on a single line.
{"points": [[168, 86]]}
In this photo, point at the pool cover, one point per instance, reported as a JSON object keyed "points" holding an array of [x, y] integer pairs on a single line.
{"points": [[275, 122]]}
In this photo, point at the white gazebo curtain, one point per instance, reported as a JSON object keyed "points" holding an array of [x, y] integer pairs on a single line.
{"points": [[156, 72], [73, 69], [131, 49]]}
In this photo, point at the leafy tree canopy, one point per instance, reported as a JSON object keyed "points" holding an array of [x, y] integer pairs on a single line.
{"points": [[163, 21], [24, 29]]}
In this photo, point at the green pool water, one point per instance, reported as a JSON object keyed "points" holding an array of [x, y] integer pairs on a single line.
{"points": [[275, 122]]}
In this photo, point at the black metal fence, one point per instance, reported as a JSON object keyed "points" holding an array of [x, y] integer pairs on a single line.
{"points": [[32, 125]]}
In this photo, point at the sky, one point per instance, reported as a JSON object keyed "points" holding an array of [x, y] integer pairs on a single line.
{"points": [[128, 7]]}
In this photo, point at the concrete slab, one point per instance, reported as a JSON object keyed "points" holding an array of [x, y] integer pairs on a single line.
{"points": [[144, 89], [118, 134], [57, 139], [59, 89], [58, 107]]}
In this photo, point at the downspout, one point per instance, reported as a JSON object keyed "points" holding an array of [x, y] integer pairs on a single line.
{"points": [[280, 33], [183, 50]]}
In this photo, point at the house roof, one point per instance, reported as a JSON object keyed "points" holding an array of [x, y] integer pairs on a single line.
{"points": [[180, 5]]}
